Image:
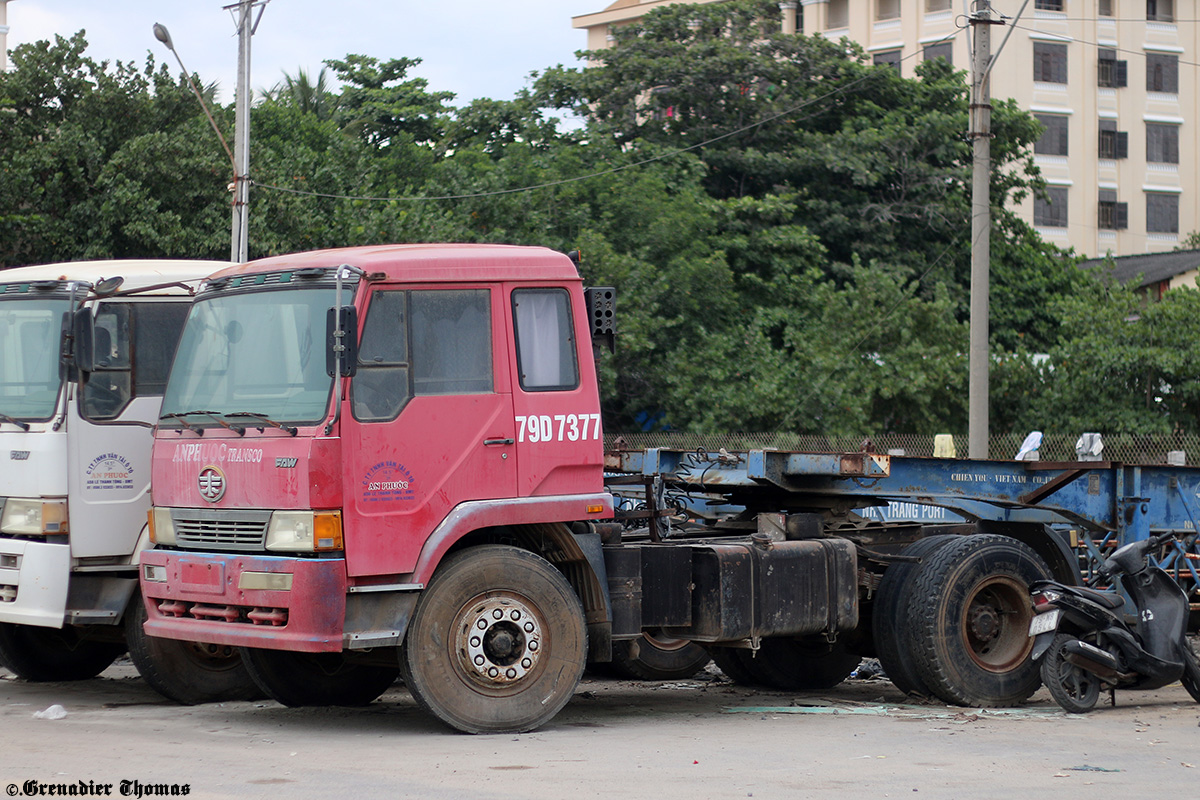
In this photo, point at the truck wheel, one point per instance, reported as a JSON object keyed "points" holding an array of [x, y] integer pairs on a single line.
{"points": [[969, 613], [54, 654], [1076, 690], [316, 679], [732, 661], [657, 658], [186, 672], [890, 618], [498, 641], [806, 664]]}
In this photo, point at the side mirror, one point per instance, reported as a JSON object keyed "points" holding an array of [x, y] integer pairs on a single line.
{"points": [[83, 331], [341, 335]]}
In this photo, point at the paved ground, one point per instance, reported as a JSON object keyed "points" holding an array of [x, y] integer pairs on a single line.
{"points": [[701, 739]]}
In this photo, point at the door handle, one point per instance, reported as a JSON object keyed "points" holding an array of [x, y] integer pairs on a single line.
{"points": [[497, 441]]}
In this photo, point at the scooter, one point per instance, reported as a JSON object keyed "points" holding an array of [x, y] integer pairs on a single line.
{"points": [[1086, 643]]}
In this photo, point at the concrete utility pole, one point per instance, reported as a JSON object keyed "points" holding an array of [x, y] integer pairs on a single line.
{"points": [[240, 241], [981, 228]]}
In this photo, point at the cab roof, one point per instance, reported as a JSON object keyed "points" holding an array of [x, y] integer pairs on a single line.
{"points": [[428, 262], [137, 273]]}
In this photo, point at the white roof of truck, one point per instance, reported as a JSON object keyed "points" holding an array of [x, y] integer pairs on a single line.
{"points": [[137, 273]]}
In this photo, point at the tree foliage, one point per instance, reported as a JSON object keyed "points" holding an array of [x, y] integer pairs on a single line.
{"points": [[787, 224]]}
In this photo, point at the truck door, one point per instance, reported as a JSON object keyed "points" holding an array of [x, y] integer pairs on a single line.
{"points": [[428, 422], [110, 424], [560, 449]]}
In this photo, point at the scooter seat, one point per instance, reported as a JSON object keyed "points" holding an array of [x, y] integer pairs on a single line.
{"points": [[1110, 600]]}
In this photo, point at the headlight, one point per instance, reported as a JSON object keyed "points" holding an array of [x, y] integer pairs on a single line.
{"points": [[162, 526], [305, 531], [34, 517]]}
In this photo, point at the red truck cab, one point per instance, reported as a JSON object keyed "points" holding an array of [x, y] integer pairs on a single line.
{"points": [[341, 425]]}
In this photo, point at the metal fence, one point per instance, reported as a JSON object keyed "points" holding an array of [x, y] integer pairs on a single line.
{"points": [[1126, 448]]}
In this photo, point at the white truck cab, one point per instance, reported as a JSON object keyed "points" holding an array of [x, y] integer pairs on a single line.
{"points": [[84, 352]]}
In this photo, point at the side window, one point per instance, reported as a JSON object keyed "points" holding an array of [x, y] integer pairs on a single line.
{"points": [[451, 342], [380, 389], [422, 343], [134, 345], [545, 340], [108, 389]]}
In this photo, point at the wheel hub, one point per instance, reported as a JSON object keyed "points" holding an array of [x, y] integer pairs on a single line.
{"points": [[985, 623], [500, 640]]}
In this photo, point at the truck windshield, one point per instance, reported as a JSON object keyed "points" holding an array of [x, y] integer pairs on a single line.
{"points": [[29, 346], [260, 352]]}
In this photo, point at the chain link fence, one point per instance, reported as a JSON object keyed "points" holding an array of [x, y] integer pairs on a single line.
{"points": [[1126, 448]]}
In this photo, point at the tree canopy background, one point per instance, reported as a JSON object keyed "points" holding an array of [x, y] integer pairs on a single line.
{"points": [[787, 224]]}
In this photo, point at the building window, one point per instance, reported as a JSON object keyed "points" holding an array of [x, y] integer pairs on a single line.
{"points": [[1048, 5], [1049, 62], [1104, 8], [1162, 73], [1114, 216], [1054, 140], [838, 14], [942, 50], [1113, 143], [1051, 211], [1160, 10], [1112, 73], [933, 6], [1162, 143], [889, 58], [887, 9], [1162, 213]]}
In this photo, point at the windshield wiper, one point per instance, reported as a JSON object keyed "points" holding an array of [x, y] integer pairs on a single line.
{"points": [[213, 415], [22, 425], [264, 418]]}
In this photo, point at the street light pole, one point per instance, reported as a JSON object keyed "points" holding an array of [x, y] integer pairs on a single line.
{"points": [[240, 243]]}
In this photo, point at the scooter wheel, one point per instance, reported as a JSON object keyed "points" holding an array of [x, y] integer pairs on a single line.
{"points": [[1191, 671], [1074, 689]]}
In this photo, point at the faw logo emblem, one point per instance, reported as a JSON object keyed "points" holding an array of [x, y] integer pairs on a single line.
{"points": [[212, 484], [286, 463], [19, 455]]}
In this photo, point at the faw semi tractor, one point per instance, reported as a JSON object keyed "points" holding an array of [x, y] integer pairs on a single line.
{"points": [[389, 460], [84, 353]]}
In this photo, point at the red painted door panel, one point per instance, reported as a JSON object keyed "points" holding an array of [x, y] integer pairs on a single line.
{"points": [[452, 438]]}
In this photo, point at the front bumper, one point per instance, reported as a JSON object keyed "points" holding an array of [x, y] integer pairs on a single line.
{"points": [[202, 597], [33, 582]]}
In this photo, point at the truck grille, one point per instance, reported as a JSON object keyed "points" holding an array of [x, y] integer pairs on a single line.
{"points": [[220, 530]]}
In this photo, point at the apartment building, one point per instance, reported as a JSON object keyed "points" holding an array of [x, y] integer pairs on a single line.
{"points": [[1114, 82]]}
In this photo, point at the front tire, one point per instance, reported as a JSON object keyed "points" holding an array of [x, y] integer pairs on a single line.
{"points": [[54, 654], [970, 614], [1075, 689], [316, 679], [186, 672], [498, 642]]}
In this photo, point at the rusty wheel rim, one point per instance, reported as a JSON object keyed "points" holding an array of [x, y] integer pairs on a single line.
{"points": [[995, 624]]}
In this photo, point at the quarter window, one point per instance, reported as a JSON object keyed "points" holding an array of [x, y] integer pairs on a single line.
{"points": [[545, 340]]}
